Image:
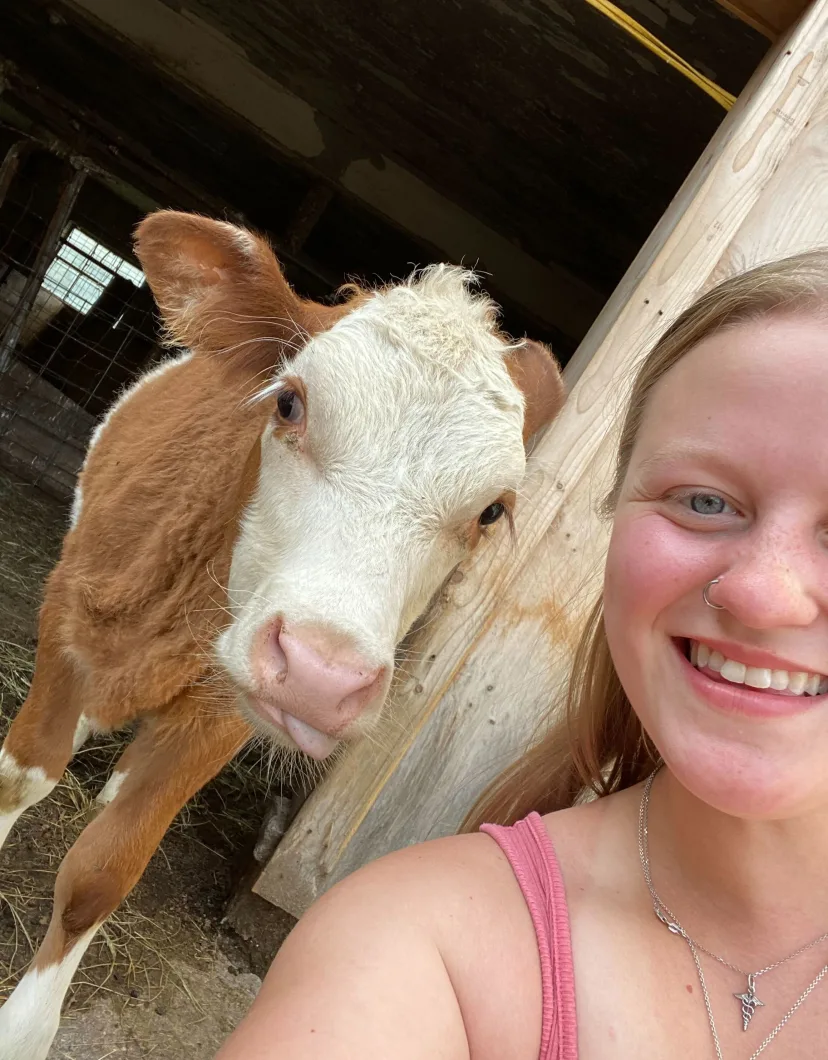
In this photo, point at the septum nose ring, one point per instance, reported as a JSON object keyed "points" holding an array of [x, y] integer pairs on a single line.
{"points": [[706, 598]]}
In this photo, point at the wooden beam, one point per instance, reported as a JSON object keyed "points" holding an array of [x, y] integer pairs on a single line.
{"points": [[771, 17], [10, 165], [48, 249], [314, 204], [497, 653]]}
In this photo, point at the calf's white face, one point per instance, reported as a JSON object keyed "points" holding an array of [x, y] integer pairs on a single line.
{"points": [[394, 433], [396, 437]]}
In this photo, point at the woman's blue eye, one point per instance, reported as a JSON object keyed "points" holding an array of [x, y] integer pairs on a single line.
{"points": [[707, 503]]}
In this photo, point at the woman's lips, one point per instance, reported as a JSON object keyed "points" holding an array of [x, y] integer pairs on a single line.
{"points": [[732, 698]]}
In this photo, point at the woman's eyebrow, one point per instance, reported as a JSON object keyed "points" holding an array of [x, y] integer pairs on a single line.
{"points": [[681, 452]]}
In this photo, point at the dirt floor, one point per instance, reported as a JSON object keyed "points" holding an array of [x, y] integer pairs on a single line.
{"points": [[166, 977]]}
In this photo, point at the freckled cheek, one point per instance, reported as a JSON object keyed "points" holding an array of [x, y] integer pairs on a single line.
{"points": [[652, 565]]}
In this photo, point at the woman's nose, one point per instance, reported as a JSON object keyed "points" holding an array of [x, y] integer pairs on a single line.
{"points": [[773, 585]]}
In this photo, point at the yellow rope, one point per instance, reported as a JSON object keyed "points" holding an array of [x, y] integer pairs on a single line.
{"points": [[622, 19]]}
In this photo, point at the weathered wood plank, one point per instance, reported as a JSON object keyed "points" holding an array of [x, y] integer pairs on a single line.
{"points": [[499, 646], [45, 449]]}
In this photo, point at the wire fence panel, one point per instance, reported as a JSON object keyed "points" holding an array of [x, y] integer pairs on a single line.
{"points": [[77, 319]]}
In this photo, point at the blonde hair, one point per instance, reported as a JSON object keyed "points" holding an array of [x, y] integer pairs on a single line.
{"points": [[597, 744]]}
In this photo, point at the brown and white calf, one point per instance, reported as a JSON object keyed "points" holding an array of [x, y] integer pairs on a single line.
{"points": [[258, 523]]}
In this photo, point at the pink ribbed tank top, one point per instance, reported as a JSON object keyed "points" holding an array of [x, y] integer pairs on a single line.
{"points": [[529, 851]]}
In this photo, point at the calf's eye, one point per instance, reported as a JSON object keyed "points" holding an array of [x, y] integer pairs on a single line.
{"points": [[491, 514], [290, 406]]}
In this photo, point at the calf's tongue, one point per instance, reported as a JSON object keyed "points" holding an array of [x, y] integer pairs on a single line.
{"points": [[313, 742]]}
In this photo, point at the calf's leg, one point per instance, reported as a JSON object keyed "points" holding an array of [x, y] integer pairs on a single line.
{"points": [[48, 728], [174, 754]]}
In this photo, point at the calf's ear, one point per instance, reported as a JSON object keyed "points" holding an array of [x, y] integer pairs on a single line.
{"points": [[536, 372], [221, 290]]}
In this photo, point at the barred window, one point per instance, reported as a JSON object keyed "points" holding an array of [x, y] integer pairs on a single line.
{"points": [[82, 270]]}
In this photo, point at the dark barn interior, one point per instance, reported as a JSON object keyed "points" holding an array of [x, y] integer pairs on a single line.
{"points": [[366, 137]]}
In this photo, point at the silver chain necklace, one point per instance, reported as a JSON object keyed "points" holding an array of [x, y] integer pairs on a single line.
{"points": [[748, 1000]]}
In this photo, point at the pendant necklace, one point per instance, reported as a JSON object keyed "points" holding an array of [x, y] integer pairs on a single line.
{"points": [[748, 999]]}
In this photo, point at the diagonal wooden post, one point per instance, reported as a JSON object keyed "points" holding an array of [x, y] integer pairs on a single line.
{"points": [[47, 251], [9, 167]]}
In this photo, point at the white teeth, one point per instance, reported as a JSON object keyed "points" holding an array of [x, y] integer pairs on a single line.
{"points": [[734, 671], [758, 677], [716, 661], [796, 683]]}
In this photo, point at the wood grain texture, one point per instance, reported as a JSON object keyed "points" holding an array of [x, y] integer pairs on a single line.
{"points": [[496, 655]]}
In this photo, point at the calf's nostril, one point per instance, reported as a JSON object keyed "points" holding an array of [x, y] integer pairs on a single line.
{"points": [[375, 680], [276, 660], [352, 705], [318, 679]]}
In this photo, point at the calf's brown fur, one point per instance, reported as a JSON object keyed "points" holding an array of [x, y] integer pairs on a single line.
{"points": [[137, 597]]}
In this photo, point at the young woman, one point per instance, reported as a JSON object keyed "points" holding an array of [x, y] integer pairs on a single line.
{"points": [[683, 912]]}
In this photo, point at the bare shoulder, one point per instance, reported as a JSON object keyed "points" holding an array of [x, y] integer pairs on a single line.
{"points": [[429, 952], [596, 836], [597, 850]]}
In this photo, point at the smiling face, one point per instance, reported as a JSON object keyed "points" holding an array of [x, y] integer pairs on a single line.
{"points": [[728, 478]]}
